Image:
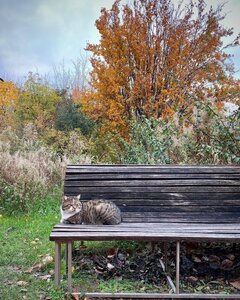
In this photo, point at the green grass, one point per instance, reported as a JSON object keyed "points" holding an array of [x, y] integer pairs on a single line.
{"points": [[24, 242]]}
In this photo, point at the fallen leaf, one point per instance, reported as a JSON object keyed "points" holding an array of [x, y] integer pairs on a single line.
{"points": [[29, 270], [231, 256], [110, 266], [22, 283], [47, 259], [227, 264], [236, 284], [196, 259], [192, 279], [45, 277]]}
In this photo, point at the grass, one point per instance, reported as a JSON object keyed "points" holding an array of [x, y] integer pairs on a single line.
{"points": [[26, 274], [24, 246]]}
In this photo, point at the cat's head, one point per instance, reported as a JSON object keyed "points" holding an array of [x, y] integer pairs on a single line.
{"points": [[71, 204]]}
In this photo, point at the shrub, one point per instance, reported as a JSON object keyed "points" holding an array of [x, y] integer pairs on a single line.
{"points": [[212, 137], [29, 170], [27, 176], [69, 117], [149, 143], [207, 137]]}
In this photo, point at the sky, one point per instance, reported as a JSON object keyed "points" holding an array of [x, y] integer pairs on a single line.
{"points": [[35, 35]]}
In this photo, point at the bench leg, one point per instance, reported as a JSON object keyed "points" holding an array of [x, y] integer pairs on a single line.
{"points": [[177, 266], [57, 273], [66, 256], [69, 266]]}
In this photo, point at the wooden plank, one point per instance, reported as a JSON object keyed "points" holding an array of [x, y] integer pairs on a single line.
{"points": [[179, 220], [168, 225], [190, 215], [150, 196], [152, 183], [147, 176], [178, 209], [176, 202], [151, 169], [142, 189], [142, 236], [157, 296], [176, 230]]}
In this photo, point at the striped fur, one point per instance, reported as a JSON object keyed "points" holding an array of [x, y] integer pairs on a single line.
{"points": [[99, 211]]}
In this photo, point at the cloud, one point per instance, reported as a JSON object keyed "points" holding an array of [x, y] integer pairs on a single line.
{"points": [[36, 34]]}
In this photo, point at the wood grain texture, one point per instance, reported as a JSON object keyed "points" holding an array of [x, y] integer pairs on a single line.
{"points": [[157, 194]]}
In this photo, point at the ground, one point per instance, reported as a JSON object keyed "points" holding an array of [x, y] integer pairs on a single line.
{"points": [[27, 267]]}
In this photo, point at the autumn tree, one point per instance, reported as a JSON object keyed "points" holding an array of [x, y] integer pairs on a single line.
{"points": [[8, 96], [37, 104], [154, 59]]}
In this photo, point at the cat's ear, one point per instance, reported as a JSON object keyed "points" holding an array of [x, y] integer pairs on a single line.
{"points": [[64, 198], [78, 197]]}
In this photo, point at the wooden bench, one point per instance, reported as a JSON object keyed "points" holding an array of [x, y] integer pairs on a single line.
{"points": [[158, 203]]}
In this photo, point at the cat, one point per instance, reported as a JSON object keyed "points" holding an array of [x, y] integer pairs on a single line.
{"points": [[100, 212]]}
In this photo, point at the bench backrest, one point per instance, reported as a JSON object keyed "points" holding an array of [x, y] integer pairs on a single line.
{"points": [[196, 194]]}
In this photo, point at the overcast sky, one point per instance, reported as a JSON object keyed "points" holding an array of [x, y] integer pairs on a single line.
{"points": [[37, 34]]}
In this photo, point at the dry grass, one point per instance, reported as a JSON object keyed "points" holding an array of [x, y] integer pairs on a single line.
{"points": [[28, 169]]}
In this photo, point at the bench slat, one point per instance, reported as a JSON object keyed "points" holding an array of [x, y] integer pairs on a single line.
{"points": [[150, 169], [146, 176], [140, 236], [163, 189], [153, 183]]}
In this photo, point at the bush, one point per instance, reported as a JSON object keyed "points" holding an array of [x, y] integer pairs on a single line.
{"points": [[69, 117], [27, 176], [149, 143], [207, 137], [29, 170], [211, 137]]}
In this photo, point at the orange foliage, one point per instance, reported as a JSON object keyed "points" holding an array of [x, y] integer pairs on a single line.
{"points": [[8, 95], [154, 60]]}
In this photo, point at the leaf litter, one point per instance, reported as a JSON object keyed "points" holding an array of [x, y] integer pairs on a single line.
{"points": [[206, 267]]}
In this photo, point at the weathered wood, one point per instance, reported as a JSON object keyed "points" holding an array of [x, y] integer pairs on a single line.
{"points": [[73, 190], [158, 203], [155, 183], [156, 296], [162, 198], [146, 176], [150, 169], [173, 225], [57, 270], [143, 236], [69, 266]]}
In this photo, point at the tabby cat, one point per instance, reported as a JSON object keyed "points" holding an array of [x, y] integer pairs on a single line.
{"points": [[99, 212]]}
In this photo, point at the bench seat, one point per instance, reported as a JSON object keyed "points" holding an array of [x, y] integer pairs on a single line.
{"points": [[148, 232]]}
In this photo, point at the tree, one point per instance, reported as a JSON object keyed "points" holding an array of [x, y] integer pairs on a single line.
{"points": [[8, 96], [72, 76], [37, 103], [69, 116], [153, 57]]}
